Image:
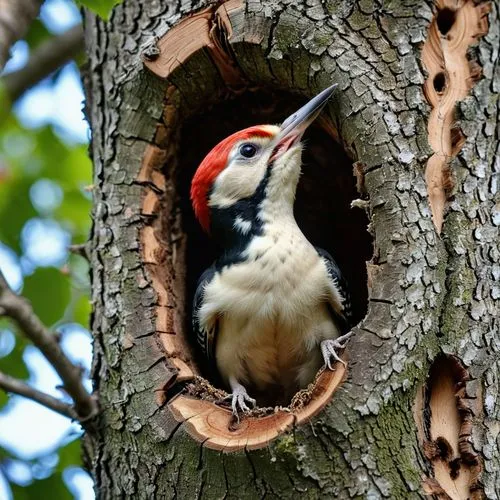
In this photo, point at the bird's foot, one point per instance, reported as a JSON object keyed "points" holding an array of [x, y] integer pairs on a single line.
{"points": [[328, 349], [239, 398]]}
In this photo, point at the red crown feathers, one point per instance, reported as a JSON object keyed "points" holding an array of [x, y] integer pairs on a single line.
{"points": [[212, 166]]}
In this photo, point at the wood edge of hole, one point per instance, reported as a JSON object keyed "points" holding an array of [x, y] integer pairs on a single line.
{"points": [[188, 36], [204, 420], [210, 424]]}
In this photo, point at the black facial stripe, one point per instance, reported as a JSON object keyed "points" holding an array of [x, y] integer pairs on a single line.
{"points": [[233, 241]]}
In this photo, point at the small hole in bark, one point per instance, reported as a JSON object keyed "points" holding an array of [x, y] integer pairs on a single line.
{"points": [[445, 450], [445, 19], [322, 206], [448, 427], [439, 82], [454, 468]]}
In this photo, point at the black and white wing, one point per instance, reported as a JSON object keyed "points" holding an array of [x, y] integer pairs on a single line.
{"points": [[344, 317], [204, 336]]}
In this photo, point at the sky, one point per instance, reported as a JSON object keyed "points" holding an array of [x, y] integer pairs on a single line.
{"points": [[28, 429]]}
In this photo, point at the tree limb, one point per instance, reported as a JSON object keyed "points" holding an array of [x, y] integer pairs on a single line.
{"points": [[15, 19], [20, 310], [11, 384], [44, 60], [81, 249]]}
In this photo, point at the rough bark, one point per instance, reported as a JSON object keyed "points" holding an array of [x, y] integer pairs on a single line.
{"points": [[430, 295]]}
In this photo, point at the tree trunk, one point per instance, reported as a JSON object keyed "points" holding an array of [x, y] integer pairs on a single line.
{"points": [[415, 412]]}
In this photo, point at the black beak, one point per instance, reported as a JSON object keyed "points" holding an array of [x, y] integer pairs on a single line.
{"points": [[293, 128]]}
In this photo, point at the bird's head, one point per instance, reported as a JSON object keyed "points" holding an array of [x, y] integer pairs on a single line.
{"points": [[255, 164]]}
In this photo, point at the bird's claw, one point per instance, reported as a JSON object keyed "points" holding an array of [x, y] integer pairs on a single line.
{"points": [[239, 398], [328, 349]]}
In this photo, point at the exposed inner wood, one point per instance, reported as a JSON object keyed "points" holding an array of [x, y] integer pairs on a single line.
{"points": [[215, 427], [153, 251], [444, 420], [202, 416], [207, 29], [455, 27]]}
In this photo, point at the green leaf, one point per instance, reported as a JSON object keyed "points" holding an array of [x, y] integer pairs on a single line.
{"points": [[77, 166], [70, 455], [62, 163], [48, 290], [37, 34], [81, 312], [6, 104], [101, 7], [13, 364], [15, 209], [51, 487], [52, 153], [3, 398], [75, 212]]}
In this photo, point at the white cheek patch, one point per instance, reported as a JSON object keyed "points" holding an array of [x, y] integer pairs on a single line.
{"points": [[236, 182], [242, 225]]}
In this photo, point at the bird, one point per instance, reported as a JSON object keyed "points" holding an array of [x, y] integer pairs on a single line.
{"points": [[273, 308]]}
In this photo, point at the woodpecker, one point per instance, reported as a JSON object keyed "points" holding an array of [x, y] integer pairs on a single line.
{"points": [[273, 308]]}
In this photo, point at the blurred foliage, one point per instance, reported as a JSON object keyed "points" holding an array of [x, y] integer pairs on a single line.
{"points": [[101, 7], [13, 364], [37, 34], [50, 307], [49, 472], [52, 484], [29, 155], [43, 179]]}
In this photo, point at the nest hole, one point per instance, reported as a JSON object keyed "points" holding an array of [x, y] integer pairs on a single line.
{"points": [[322, 208], [439, 82], [445, 19]]}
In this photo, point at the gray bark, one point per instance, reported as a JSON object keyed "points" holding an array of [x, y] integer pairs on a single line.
{"points": [[429, 294]]}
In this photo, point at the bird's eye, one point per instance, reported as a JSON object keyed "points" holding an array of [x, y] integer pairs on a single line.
{"points": [[248, 150]]}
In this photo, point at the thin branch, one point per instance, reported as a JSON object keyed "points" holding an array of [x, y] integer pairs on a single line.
{"points": [[44, 60], [20, 310], [15, 19], [11, 384], [81, 249]]}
